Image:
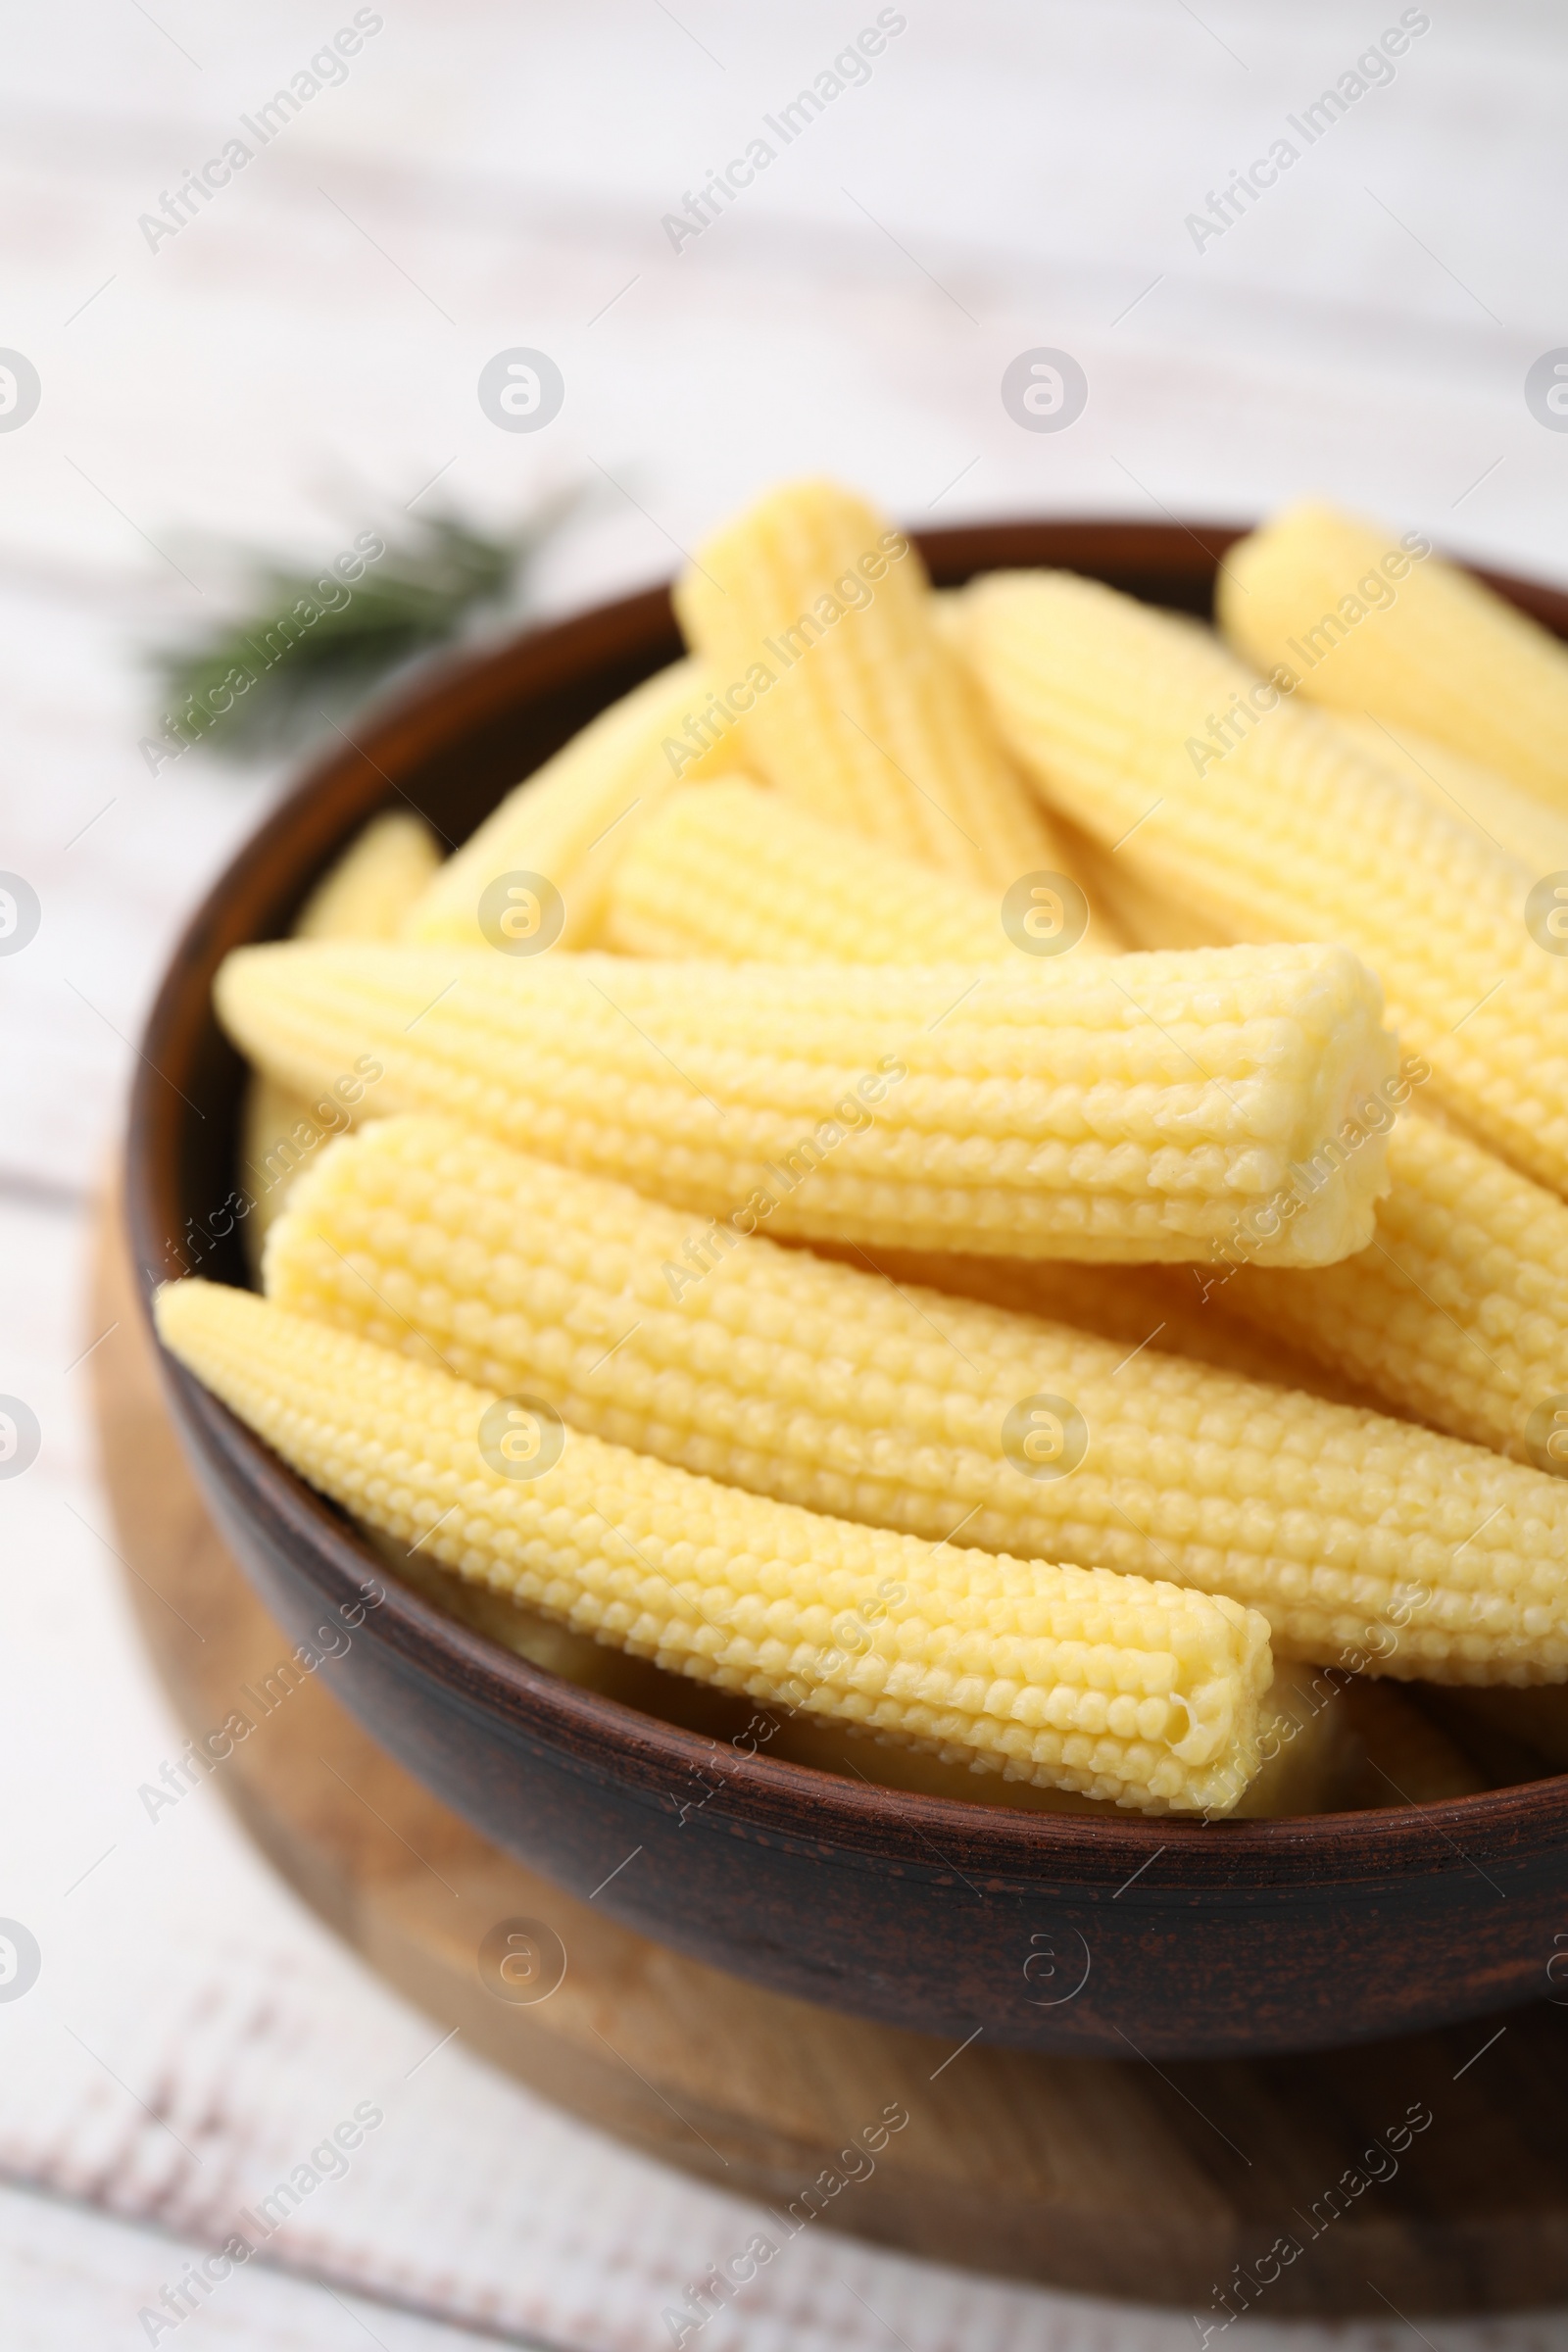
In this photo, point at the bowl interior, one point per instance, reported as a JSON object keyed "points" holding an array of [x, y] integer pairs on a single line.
{"points": [[451, 746]]}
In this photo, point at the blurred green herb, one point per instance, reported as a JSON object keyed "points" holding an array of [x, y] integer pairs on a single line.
{"points": [[307, 646]]}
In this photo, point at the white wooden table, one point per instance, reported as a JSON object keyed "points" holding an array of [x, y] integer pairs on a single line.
{"points": [[301, 358]]}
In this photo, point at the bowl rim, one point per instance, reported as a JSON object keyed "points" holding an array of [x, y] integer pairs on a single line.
{"points": [[907, 1832]]}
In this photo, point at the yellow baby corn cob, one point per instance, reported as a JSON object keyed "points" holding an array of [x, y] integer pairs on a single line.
{"points": [[1261, 815], [369, 892], [364, 895], [1123, 1108], [824, 1742], [1304, 1744], [836, 1390], [1302, 1731], [735, 870], [1075, 1676], [1504, 817], [1371, 623], [568, 824], [1143, 913], [1177, 1309], [816, 620], [1458, 1313], [1303, 1740], [277, 1132]]}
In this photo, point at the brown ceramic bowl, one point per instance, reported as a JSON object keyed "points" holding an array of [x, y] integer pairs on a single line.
{"points": [[1052, 1932]]}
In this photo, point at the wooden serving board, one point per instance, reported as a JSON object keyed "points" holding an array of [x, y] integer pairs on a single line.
{"points": [[1099, 2176]]}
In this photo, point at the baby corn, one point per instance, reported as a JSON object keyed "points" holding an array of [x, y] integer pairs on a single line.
{"points": [[1176, 1310], [367, 893], [1078, 1678], [364, 895], [1301, 1722], [1458, 1313], [1303, 1740], [1257, 812], [565, 825], [732, 870], [1368, 623], [1500, 813], [1140, 915], [816, 620], [1364, 1541], [1115, 1108]]}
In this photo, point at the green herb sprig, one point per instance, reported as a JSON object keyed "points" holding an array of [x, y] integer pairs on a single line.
{"points": [[309, 645]]}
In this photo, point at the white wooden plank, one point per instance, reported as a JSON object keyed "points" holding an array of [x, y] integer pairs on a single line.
{"points": [[1023, 172], [71, 2278]]}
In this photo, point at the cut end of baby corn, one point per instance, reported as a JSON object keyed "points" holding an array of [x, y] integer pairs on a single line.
{"points": [[533, 875], [1306, 1743], [1254, 811], [1081, 1679], [736, 870], [815, 618], [1367, 1543], [1370, 621], [1113, 1109]]}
